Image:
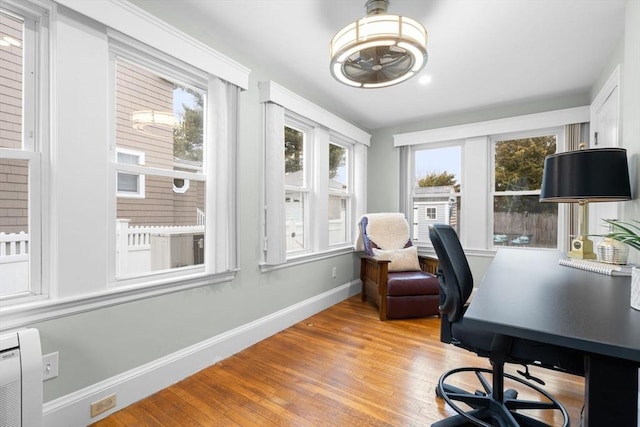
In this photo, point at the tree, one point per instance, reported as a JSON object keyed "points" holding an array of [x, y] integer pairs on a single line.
{"points": [[337, 159], [439, 179], [519, 164], [293, 149], [187, 135], [294, 152]]}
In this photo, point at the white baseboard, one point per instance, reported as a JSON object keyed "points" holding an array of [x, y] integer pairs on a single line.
{"points": [[131, 386]]}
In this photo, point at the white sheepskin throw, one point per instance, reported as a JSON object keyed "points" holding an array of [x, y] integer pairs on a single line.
{"points": [[388, 230]]}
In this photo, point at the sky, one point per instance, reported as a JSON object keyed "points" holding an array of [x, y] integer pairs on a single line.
{"points": [[438, 160]]}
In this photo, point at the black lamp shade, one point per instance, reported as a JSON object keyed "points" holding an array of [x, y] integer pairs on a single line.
{"points": [[596, 175]]}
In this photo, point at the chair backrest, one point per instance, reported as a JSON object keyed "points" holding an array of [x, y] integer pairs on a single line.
{"points": [[384, 231], [454, 274]]}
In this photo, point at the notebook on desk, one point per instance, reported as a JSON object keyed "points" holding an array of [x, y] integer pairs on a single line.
{"points": [[597, 267]]}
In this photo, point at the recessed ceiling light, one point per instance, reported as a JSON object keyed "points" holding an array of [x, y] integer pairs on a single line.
{"points": [[425, 79]]}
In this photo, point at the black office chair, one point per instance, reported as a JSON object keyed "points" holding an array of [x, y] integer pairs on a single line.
{"points": [[492, 405]]}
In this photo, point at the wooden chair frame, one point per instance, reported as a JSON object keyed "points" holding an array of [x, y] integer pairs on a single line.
{"points": [[373, 274]]}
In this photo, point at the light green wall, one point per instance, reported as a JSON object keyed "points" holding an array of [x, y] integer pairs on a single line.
{"points": [[100, 343]]}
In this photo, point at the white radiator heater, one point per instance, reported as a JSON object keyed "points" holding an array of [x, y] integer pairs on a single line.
{"points": [[21, 379]]}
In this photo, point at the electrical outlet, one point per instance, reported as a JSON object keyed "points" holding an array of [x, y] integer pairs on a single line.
{"points": [[333, 273], [49, 366], [103, 405]]}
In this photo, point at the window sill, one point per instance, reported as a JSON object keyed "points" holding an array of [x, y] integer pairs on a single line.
{"points": [[23, 314], [306, 258]]}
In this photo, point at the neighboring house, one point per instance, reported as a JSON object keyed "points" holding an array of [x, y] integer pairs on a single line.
{"points": [[151, 200], [14, 201], [433, 205]]}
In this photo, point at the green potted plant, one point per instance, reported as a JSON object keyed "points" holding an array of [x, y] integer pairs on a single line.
{"points": [[625, 232], [629, 234]]}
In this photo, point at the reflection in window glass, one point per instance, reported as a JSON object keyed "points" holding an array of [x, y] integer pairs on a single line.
{"points": [[15, 239], [436, 189], [11, 79], [130, 185], [159, 130], [14, 227], [295, 189], [338, 188], [519, 219]]}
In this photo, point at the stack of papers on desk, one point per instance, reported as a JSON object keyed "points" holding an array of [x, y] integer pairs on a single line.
{"points": [[597, 267]]}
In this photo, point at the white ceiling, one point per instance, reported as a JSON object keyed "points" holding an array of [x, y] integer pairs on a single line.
{"points": [[482, 53]]}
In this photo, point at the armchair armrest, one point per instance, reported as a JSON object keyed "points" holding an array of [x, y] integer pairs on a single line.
{"points": [[373, 274], [429, 264]]}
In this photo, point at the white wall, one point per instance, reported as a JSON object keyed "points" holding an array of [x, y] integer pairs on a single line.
{"points": [[630, 90]]}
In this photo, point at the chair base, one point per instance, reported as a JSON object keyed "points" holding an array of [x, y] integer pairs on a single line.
{"points": [[494, 406]]}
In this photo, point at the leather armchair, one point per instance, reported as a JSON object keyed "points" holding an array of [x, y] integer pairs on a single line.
{"points": [[399, 282]]}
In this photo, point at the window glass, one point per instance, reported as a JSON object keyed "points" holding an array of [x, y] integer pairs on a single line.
{"points": [[295, 189], [159, 143], [338, 193], [436, 189], [519, 219], [130, 185], [17, 277], [11, 80]]}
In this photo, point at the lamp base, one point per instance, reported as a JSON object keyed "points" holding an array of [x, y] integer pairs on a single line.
{"points": [[582, 248]]}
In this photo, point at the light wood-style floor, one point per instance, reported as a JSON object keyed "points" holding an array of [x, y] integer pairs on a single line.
{"points": [[341, 367]]}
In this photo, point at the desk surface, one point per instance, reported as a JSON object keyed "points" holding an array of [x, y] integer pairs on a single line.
{"points": [[526, 294]]}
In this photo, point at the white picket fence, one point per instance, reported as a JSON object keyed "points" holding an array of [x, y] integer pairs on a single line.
{"points": [[141, 249], [14, 263]]}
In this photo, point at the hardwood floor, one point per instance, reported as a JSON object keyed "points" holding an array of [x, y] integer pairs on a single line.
{"points": [[341, 367]]}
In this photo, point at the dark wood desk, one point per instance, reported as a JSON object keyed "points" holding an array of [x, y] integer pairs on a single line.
{"points": [[526, 294]]}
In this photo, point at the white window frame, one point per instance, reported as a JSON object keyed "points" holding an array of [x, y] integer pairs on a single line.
{"points": [[140, 192], [182, 189], [308, 188], [282, 106], [410, 178], [125, 49], [560, 144], [36, 136], [476, 216], [346, 195]]}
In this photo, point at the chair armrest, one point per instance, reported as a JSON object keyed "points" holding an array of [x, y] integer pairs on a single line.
{"points": [[374, 269], [369, 258], [428, 264]]}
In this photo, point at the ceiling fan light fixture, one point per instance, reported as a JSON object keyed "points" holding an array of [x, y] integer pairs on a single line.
{"points": [[378, 50], [400, 79]]}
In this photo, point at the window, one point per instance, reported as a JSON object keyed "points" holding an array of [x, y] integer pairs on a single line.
{"points": [[491, 173], [313, 191], [519, 219], [130, 185], [129, 139], [297, 186], [304, 195], [160, 178], [339, 193], [435, 188], [23, 42]]}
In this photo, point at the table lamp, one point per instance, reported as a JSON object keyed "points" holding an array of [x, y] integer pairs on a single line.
{"points": [[585, 176]]}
